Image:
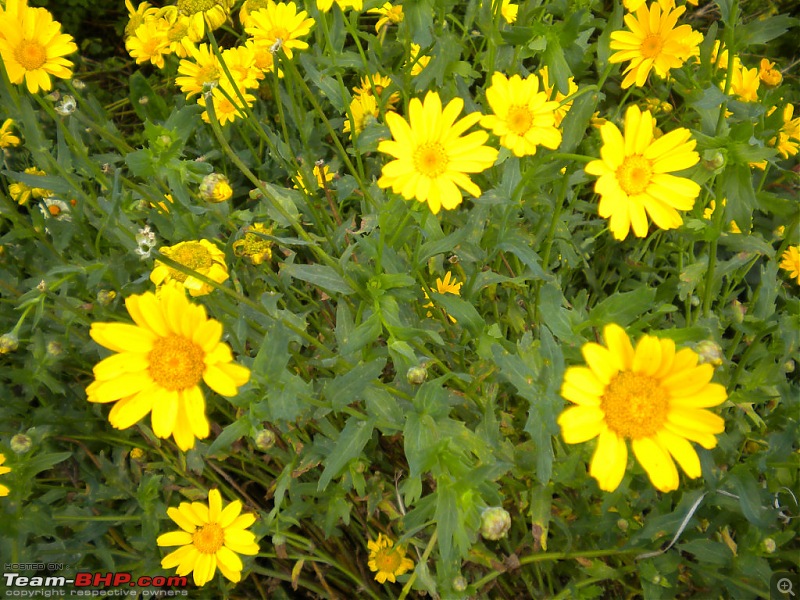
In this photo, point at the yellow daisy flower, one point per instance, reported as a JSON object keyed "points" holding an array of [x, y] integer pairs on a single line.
{"points": [[150, 42], [249, 7], [182, 32], [634, 175], [379, 84], [653, 395], [389, 15], [768, 74], [199, 72], [508, 10], [556, 96], [215, 188], [364, 108], [321, 177], [790, 261], [241, 62], [264, 58], [33, 48], [201, 256], [159, 364], [3, 470], [7, 137], [744, 84], [325, 5], [523, 117], [387, 560], [787, 142], [254, 245], [653, 42], [448, 285], [417, 61], [432, 158], [138, 15], [211, 537], [213, 12], [21, 192], [280, 26]]}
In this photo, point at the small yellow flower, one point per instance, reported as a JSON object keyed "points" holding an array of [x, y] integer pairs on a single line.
{"points": [[200, 72], [7, 137], [280, 26], [448, 285], [201, 256], [321, 177], [213, 12], [150, 42], [387, 560], [21, 192], [787, 142], [416, 61], [138, 15], [556, 96], [215, 187], [33, 48], [744, 84], [3, 470], [768, 74], [379, 84], [508, 10], [211, 537], [227, 108], [249, 7], [254, 245], [182, 32], [364, 109], [389, 15], [653, 395], [790, 262]]}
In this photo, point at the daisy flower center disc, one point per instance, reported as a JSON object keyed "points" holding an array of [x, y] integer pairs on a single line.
{"points": [[30, 54], [193, 256], [634, 174], [176, 363], [430, 159], [519, 119], [191, 7], [651, 46], [635, 405], [208, 538], [388, 560], [54, 210]]}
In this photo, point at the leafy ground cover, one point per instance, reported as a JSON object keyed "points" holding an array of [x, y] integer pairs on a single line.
{"points": [[425, 299]]}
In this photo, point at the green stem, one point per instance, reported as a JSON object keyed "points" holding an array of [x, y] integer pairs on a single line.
{"points": [[423, 559]]}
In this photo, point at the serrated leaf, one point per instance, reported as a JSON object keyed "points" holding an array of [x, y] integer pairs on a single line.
{"points": [[232, 433], [319, 275], [350, 443], [623, 308], [349, 387]]}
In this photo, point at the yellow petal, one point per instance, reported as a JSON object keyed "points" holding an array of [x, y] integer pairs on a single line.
{"points": [[657, 462], [609, 461], [581, 423], [682, 451]]}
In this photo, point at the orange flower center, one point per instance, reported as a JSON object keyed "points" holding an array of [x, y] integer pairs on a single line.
{"points": [[634, 174], [635, 405], [54, 209], [191, 254], [430, 159], [176, 363], [519, 119], [651, 46], [30, 54], [208, 538]]}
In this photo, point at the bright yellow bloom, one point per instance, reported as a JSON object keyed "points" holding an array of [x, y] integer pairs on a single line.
{"points": [[417, 61], [719, 57], [379, 84], [200, 73], [708, 213], [387, 559], [790, 261], [768, 74], [364, 109], [653, 396], [215, 188], [249, 7], [325, 5], [432, 158], [557, 96], [280, 26], [787, 141], [159, 364], [523, 116], [33, 48], [389, 15], [653, 43], [150, 42], [201, 256], [21, 192], [255, 245], [633, 5], [3, 470], [508, 10], [211, 537], [213, 12], [744, 84], [241, 62], [321, 177], [448, 285], [138, 15], [264, 59], [7, 137], [634, 175], [182, 32]]}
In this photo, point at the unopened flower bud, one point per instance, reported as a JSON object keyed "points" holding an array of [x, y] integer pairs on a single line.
{"points": [[623, 524], [105, 297], [54, 348], [739, 310], [416, 375], [215, 188], [495, 523], [21, 443], [788, 366], [137, 454], [710, 352], [713, 160], [8, 343], [459, 583], [265, 440], [769, 545]]}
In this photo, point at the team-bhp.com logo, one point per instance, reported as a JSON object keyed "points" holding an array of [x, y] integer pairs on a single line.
{"points": [[23, 586]]}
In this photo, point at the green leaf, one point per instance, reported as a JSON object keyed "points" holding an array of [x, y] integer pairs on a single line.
{"points": [[146, 103], [319, 275], [420, 441], [232, 433], [43, 462], [348, 388], [350, 443], [708, 551], [462, 311], [447, 518], [623, 308], [761, 31]]}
